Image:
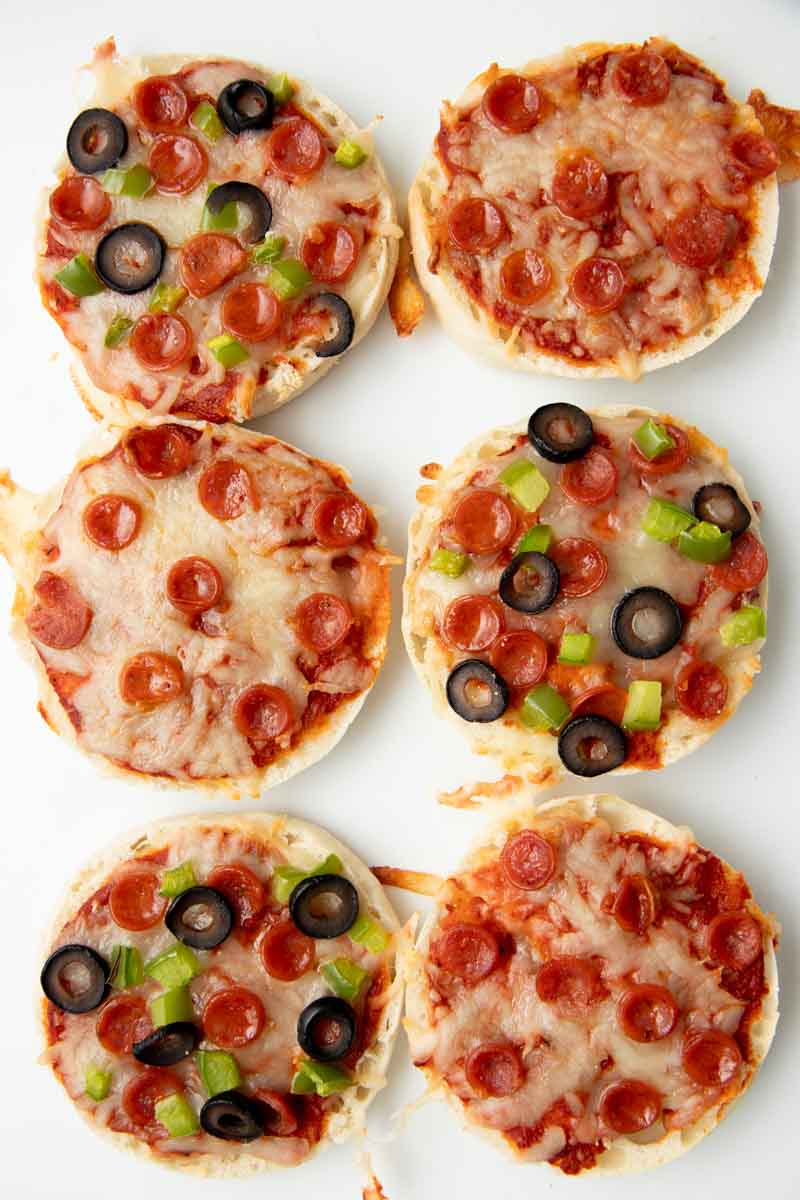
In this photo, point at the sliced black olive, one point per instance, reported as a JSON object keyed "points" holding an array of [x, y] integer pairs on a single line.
{"points": [[252, 198], [232, 1117], [75, 978], [130, 258], [168, 1045], [476, 692], [720, 504], [246, 104], [324, 906], [342, 315], [97, 139], [326, 1028], [591, 746], [530, 582], [200, 917], [560, 432], [646, 623]]}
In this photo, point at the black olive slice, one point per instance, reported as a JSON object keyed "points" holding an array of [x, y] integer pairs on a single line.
{"points": [[560, 432], [476, 692], [326, 1028], [646, 623], [232, 1117], [75, 978], [720, 504], [342, 315], [167, 1045], [130, 258], [591, 746], [324, 906], [200, 917], [246, 104], [97, 139], [530, 582], [252, 198]]}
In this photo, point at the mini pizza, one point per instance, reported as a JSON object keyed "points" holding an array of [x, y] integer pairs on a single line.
{"points": [[217, 238], [201, 603], [588, 593], [220, 993], [593, 989], [604, 212]]}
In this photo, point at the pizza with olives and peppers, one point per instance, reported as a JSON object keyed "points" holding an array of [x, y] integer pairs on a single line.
{"points": [[219, 235], [587, 593], [593, 989], [202, 603], [605, 212], [220, 992]]}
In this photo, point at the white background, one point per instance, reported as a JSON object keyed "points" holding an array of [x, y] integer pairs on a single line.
{"points": [[390, 407]]}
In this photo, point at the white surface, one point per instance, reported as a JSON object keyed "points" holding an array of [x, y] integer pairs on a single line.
{"points": [[391, 407]]}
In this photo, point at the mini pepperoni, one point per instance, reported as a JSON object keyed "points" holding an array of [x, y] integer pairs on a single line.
{"points": [[591, 479], [339, 520], [598, 284], [79, 202], [746, 566], [697, 236], [521, 657], [281, 1117], [634, 907], [757, 153], [60, 617], [251, 311], [643, 78], [208, 260], [494, 1070], [112, 521], [582, 566], [322, 621], [161, 452], [194, 585], [472, 622], [580, 187], [573, 982], [528, 860], [664, 464], [512, 103], [647, 1012], [483, 522], [151, 678], [296, 149], [602, 700], [330, 252], [135, 901], [226, 490], [243, 890], [177, 163], [630, 1106], [476, 225], [468, 951], [525, 277], [161, 341], [701, 690], [161, 103], [263, 711], [233, 1018], [734, 940], [143, 1092], [710, 1057], [286, 952], [123, 1022]]}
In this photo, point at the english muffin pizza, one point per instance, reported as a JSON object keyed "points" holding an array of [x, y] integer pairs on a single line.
{"points": [[593, 989], [586, 593], [220, 992], [217, 238], [604, 212], [201, 603]]}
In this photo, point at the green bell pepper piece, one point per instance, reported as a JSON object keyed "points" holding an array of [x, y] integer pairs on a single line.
{"points": [[176, 1115], [746, 625], [344, 977], [643, 709], [322, 1078], [79, 278], [282, 88], [268, 251], [226, 219], [177, 880], [350, 154], [653, 439], [126, 967], [544, 708], [117, 331], [705, 543], [286, 879], [664, 520], [576, 648], [288, 278], [136, 181], [537, 538], [227, 350], [166, 298], [206, 120], [174, 1005], [97, 1083], [367, 932], [449, 562], [526, 483], [174, 967], [219, 1071]]}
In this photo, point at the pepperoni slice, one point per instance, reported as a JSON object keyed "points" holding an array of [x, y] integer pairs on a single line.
{"points": [[591, 479], [296, 149], [281, 1117], [697, 236], [286, 952], [177, 163], [582, 566], [194, 585], [734, 940], [602, 700], [483, 522], [710, 1057], [251, 311], [472, 622], [756, 153], [60, 616], [226, 490], [666, 463], [322, 621], [521, 657], [494, 1070], [476, 225], [208, 260], [134, 900], [512, 103], [468, 951], [233, 1018], [123, 1022], [701, 690], [528, 860], [598, 284], [630, 1106], [161, 452], [339, 520], [79, 202], [330, 252], [746, 566], [634, 907], [141, 1095], [643, 78], [580, 187], [263, 711], [161, 341], [151, 678], [525, 277], [647, 1012], [112, 521], [574, 983], [243, 890], [161, 103]]}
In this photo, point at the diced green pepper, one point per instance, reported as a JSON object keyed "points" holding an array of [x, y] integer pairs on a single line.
{"points": [[226, 219], [288, 278], [126, 967], [136, 181], [544, 708], [117, 331], [177, 880], [268, 251], [576, 648], [449, 562], [705, 543], [286, 879], [282, 88], [174, 967], [166, 298], [350, 154], [526, 483], [79, 278], [219, 1071], [206, 120], [653, 439], [97, 1083], [176, 1115], [664, 520], [174, 1005], [227, 350], [369, 933], [537, 538], [746, 625], [322, 1078], [344, 977], [643, 709]]}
